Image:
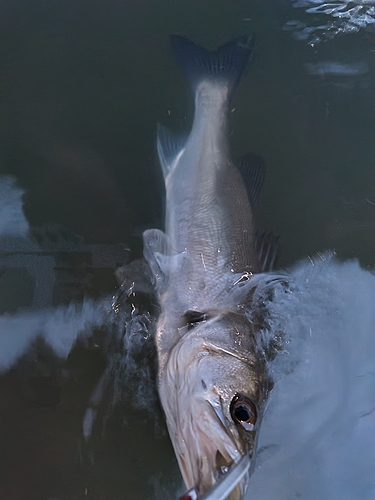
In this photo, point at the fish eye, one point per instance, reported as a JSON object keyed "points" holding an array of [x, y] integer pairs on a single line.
{"points": [[244, 412]]}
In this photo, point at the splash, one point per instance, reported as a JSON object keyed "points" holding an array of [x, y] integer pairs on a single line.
{"points": [[318, 435], [130, 373]]}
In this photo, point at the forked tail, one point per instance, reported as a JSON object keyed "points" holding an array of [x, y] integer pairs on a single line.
{"points": [[227, 63]]}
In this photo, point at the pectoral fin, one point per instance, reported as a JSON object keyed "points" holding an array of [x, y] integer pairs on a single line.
{"points": [[170, 147], [155, 251]]}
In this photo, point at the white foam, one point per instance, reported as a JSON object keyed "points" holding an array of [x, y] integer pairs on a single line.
{"points": [[318, 435], [60, 327]]}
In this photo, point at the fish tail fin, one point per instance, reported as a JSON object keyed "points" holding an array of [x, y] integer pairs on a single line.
{"points": [[227, 63]]}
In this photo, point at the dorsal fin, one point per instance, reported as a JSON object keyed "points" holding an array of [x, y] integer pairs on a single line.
{"points": [[170, 146], [253, 171]]}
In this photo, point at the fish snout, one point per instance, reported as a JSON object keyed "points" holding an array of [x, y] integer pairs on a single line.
{"points": [[231, 485], [211, 467]]}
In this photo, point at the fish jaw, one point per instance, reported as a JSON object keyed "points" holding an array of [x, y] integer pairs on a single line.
{"points": [[214, 449], [206, 452]]}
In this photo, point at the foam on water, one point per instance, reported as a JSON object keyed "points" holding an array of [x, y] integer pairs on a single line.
{"points": [[318, 434], [60, 328]]}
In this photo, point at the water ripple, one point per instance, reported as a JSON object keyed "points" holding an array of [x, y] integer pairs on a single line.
{"points": [[346, 17]]}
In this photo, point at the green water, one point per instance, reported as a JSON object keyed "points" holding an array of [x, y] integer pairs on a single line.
{"points": [[83, 85]]}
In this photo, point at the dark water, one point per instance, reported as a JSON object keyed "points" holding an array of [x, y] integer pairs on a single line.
{"points": [[83, 84]]}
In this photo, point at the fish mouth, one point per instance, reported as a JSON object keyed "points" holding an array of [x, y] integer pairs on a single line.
{"points": [[209, 456], [229, 487]]}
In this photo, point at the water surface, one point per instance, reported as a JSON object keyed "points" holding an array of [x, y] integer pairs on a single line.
{"points": [[83, 87]]}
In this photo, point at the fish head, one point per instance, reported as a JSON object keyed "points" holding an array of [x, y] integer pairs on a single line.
{"points": [[212, 390]]}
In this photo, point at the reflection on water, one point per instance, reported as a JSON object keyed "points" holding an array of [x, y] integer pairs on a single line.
{"points": [[328, 68], [12, 219], [37, 337], [349, 16], [84, 85]]}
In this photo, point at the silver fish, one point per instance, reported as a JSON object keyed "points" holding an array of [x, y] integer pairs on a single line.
{"points": [[212, 377]]}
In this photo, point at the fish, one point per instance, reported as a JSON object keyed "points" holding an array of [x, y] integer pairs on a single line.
{"points": [[212, 374]]}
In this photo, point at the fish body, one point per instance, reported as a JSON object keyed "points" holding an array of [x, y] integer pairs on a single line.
{"points": [[212, 378]]}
